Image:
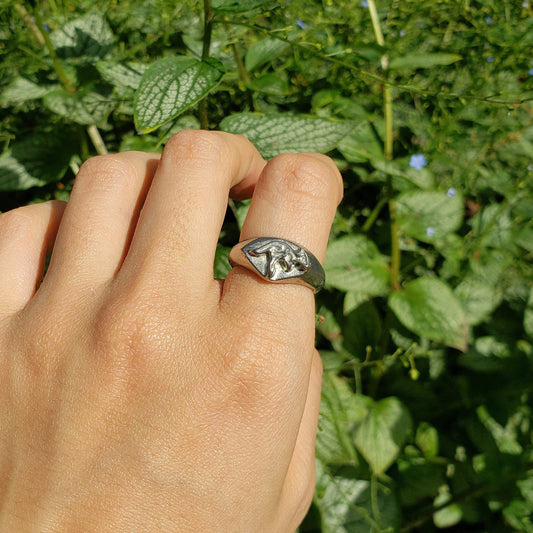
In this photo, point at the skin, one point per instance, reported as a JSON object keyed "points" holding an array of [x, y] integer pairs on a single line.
{"points": [[137, 393]]}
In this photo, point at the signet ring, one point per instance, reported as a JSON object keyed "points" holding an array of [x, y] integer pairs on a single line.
{"points": [[279, 261]]}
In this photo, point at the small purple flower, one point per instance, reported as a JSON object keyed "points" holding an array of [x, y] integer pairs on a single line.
{"points": [[530, 71], [490, 59], [301, 24], [451, 192], [46, 28], [418, 161], [430, 232], [364, 3], [489, 20]]}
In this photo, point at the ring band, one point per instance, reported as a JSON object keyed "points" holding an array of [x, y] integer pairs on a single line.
{"points": [[279, 261]]}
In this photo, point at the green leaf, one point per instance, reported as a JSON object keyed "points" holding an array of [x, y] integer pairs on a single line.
{"points": [[428, 216], [21, 90], [518, 514], [239, 6], [333, 443], [354, 263], [82, 108], [270, 83], [448, 516], [415, 61], [273, 134], [347, 504], [263, 51], [170, 86], [362, 145], [122, 75], [427, 439], [429, 308], [86, 38], [478, 298], [380, 434], [222, 265], [36, 160]]}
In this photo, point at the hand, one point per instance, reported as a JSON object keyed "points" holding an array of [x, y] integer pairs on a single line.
{"points": [[137, 393]]}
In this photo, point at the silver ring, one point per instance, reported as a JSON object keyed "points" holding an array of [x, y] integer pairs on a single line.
{"points": [[279, 261]]}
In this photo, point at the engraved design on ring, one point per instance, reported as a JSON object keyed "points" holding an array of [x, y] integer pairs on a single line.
{"points": [[279, 260]]}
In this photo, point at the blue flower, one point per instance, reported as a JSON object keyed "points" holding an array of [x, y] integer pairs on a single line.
{"points": [[364, 3], [430, 232], [418, 161], [490, 59], [403, 33], [530, 71], [451, 192], [489, 20], [530, 168], [525, 5], [46, 28], [301, 24]]}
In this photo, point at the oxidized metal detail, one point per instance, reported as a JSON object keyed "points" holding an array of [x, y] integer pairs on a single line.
{"points": [[279, 260]]}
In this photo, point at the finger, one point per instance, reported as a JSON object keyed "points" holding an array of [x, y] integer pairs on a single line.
{"points": [[100, 218], [176, 238], [295, 198], [300, 479], [27, 234]]}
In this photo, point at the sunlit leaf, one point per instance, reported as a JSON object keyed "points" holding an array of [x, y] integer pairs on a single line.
{"points": [[85, 38], [170, 86], [123, 75], [82, 108], [429, 216], [429, 308], [382, 431], [21, 90], [354, 263], [239, 6], [276, 133]]}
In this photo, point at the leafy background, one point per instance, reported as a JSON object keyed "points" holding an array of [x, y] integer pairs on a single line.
{"points": [[426, 323]]}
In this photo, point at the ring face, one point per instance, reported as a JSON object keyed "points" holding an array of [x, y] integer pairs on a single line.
{"points": [[279, 261]]}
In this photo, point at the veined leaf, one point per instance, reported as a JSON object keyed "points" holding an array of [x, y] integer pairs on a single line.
{"points": [[122, 75], [277, 133], [170, 86], [429, 216], [83, 108], [21, 90], [87, 37], [353, 263], [415, 61], [382, 431], [429, 308]]}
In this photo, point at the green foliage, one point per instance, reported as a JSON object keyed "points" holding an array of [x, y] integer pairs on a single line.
{"points": [[426, 323]]}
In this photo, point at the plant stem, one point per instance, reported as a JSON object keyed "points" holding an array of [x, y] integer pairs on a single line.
{"points": [[97, 140], [21, 10], [67, 85], [389, 153], [208, 30]]}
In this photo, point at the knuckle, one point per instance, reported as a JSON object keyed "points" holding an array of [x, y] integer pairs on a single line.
{"points": [[197, 147], [104, 171], [313, 176]]}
